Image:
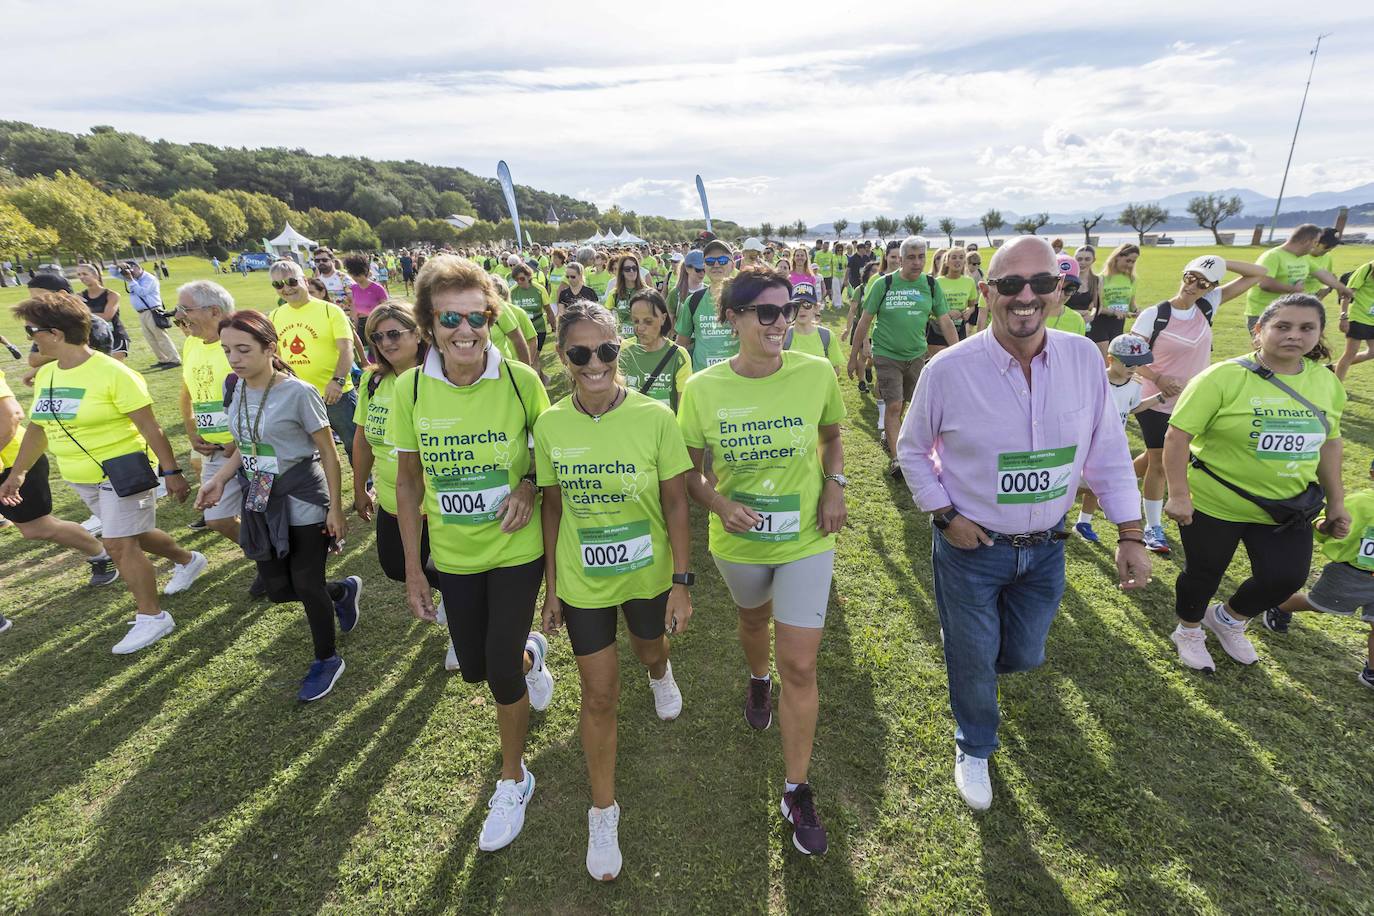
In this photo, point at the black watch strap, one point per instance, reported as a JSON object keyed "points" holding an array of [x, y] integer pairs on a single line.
{"points": [[688, 579], [942, 521]]}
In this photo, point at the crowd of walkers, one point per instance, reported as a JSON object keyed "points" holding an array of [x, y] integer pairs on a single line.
{"points": [[702, 374]]}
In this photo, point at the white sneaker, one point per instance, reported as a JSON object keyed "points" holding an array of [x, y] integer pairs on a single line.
{"points": [[93, 525], [1231, 636], [667, 698], [603, 842], [184, 576], [507, 814], [440, 615], [971, 776], [146, 629], [451, 659], [1192, 648], [538, 679]]}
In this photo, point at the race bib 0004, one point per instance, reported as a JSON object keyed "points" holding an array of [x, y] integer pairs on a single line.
{"points": [[473, 499], [781, 516], [1285, 439], [1034, 477], [616, 549]]}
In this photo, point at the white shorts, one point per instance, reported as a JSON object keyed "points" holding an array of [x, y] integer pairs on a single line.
{"points": [[232, 499], [800, 590], [120, 516]]}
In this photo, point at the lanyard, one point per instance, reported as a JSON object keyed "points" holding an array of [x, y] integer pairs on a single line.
{"points": [[255, 428]]}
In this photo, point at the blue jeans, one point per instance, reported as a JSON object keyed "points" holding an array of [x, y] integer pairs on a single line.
{"points": [[996, 605], [340, 415]]}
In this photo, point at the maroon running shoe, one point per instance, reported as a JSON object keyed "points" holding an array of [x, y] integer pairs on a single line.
{"points": [[799, 808], [758, 705]]}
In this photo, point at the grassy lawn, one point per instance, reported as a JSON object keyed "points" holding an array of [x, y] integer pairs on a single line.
{"points": [[187, 779]]}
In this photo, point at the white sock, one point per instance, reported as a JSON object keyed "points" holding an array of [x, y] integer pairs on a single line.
{"points": [[1084, 518], [766, 678], [103, 555], [158, 616], [1154, 512], [882, 415], [790, 786]]}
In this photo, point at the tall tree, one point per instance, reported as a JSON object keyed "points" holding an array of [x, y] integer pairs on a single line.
{"points": [[914, 223], [1211, 210], [864, 226], [87, 220], [453, 203], [766, 230], [117, 160], [1142, 218], [1089, 223], [799, 228], [18, 236], [225, 220], [38, 151], [840, 225], [991, 221], [947, 226], [373, 203], [1032, 224]]}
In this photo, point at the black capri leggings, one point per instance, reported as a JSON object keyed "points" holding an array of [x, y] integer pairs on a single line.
{"points": [[299, 576], [593, 629], [489, 617], [1279, 564], [392, 555]]}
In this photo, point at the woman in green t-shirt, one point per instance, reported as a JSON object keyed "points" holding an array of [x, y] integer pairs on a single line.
{"points": [[461, 422], [616, 540], [770, 422], [651, 363], [1252, 428], [629, 280], [534, 302], [1116, 298]]}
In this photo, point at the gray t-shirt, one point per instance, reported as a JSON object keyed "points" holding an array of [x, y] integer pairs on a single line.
{"points": [[294, 412]]}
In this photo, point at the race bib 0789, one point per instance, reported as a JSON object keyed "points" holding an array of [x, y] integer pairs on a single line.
{"points": [[1034, 477], [1285, 439]]}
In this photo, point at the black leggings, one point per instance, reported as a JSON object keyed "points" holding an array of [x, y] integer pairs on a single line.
{"points": [[1279, 564], [391, 554], [489, 617], [299, 576], [593, 629]]}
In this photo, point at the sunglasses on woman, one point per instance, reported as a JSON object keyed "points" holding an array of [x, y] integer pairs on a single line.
{"points": [[630, 269], [452, 320], [393, 335], [293, 282], [1040, 284], [718, 260], [768, 313], [1201, 283], [608, 353]]}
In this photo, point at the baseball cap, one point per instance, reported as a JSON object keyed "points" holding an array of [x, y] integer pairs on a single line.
{"points": [[1210, 267], [1130, 350], [720, 245], [696, 259], [53, 283], [804, 290], [676, 257], [753, 244], [1068, 266]]}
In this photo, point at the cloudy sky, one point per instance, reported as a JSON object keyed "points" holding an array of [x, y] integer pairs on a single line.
{"points": [[789, 111]]}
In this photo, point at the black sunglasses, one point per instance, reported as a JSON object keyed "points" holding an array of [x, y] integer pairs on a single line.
{"points": [[393, 335], [452, 320], [630, 267], [1040, 284], [283, 284], [768, 314], [608, 353], [31, 330]]}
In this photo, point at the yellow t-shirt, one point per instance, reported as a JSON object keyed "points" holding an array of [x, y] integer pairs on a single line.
{"points": [[11, 449], [92, 401], [308, 338], [203, 370]]}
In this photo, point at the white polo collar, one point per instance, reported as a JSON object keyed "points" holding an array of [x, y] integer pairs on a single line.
{"points": [[434, 367]]}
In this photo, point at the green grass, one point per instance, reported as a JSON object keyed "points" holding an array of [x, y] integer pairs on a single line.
{"points": [[186, 778]]}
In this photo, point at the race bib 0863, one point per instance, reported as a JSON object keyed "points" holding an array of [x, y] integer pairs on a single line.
{"points": [[1034, 477]]}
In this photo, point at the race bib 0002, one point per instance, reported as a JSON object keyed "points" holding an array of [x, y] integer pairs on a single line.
{"points": [[1285, 439], [472, 499], [1034, 477], [781, 516], [616, 549]]}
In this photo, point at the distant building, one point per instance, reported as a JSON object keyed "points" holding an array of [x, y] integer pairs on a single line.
{"points": [[551, 217]]}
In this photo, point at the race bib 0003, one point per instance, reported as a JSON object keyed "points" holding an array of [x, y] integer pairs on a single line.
{"points": [[473, 499], [616, 549], [781, 516], [1034, 477], [1285, 439]]}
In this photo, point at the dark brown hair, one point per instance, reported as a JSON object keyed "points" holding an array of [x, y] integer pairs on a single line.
{"points": [[748, 284], [59, 311], [1320, 352], [659, 306], [259, 327]]}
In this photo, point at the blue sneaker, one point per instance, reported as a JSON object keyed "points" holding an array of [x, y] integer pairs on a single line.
{"points": [[1155, 541], [1086, 532], [346, 608], [320, 679]]}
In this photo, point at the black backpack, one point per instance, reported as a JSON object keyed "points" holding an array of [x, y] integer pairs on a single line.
{"points": [[1164, 311]]}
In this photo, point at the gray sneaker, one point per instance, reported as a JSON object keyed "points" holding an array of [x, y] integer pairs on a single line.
{"points": [[103, 571]]}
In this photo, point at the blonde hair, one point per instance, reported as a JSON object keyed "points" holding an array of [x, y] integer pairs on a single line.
{"points": [[1121, 251]]}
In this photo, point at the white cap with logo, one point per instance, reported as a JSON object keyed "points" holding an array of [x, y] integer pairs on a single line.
{"points": [[1209, 267]]}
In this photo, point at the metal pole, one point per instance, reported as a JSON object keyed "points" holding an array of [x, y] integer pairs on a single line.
{"points": [[1310, 70]]}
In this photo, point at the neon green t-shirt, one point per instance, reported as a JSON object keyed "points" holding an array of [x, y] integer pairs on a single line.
{"points": [[473, 443], [599, 280], [544, 263], [308, 338], [555, 279], [620, 307], [637, 364], [1283, 266], [899, 328], [825, 263], [762, 434], [204, 368], [371, 417], [1117, 292], [613, 540], [1362, 306], [11, 448], [508, 324], [814, 344], [1068, 320], [1316, 262], [531, 300], [712, 340], [1357, 547], [1254, 435], [92, 401], [960, 293]]}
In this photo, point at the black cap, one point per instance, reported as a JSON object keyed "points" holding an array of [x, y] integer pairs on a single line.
{"points": [[53, 283]]}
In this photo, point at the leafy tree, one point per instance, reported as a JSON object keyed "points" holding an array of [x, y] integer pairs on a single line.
{"points": [[397, 230], [18, 236], [886, 226], [373, 204], [38, 151], [840, 225], [1142, 218], [358, 238], [441, 232], [1032, 224], [181, 169], [799, 228], [1089, 223], [85, 219], [947, 226], [260, 219], [766, 230], [1211, 210], [117, 160], [991, 221], [914, 223], [453, 203], [864, 226], [170, 225], [223, 217]]}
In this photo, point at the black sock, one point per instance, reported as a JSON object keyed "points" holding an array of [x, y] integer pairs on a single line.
{"points": [[868, 374], [336, 591]]}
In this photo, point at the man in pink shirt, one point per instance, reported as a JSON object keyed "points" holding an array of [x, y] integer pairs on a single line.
{"points": [[1003, 428]]}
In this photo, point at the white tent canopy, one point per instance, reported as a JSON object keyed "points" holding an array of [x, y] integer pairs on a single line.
{"points": [[289, 240], [596, 239], [460, 221]]}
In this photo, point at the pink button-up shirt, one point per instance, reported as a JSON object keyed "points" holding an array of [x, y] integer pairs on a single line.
{"points": [[974, 412]]}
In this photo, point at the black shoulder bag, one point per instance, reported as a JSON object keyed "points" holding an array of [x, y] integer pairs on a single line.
{"points": [[128, 475]]}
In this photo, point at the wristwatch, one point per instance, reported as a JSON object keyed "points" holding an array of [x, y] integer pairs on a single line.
{"points": [[339, 379], [169, 472], [840, 479], [688, 579], [942, 521]]}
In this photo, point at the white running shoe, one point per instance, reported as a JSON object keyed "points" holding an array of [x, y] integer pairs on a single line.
{"points": [[507, 814], [538, 679], [1192, 648], [603, 842], [184, 576], [1231, 636], [667, 698], [440, 615], [93, 525], [971, 777], [146, 629], [451, 659]]}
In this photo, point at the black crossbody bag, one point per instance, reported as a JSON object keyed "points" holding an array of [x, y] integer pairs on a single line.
{"points": [[128, 475]]}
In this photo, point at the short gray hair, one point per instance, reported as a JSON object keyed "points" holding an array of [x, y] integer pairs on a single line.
{"points": [[286, 268], [912, 242], [586, 255], [207, 294]]}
